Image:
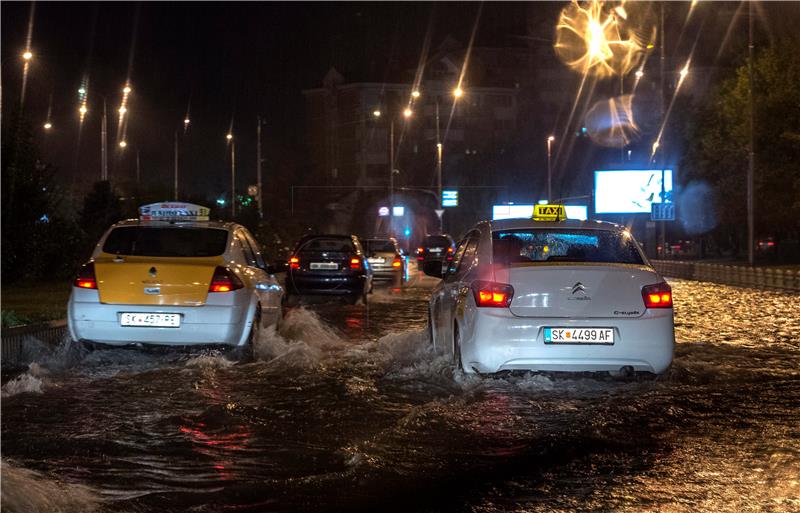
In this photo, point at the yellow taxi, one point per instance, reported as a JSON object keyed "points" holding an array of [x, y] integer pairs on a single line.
{"points": [[174, 278]]}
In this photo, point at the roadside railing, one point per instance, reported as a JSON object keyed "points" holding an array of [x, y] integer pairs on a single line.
{"points": [[19, 344], [739, 275]]}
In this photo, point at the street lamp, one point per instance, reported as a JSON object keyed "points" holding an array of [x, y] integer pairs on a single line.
{"points": [[458, 92], [186, 122], [123, 144], [229, 137], [415, 94], [407, 113], [48, 125], [126, 89], [550, 140], [376, 113], [27, 55]]}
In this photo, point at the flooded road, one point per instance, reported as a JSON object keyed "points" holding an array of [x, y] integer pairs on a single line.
{"points": [[348, 408]]}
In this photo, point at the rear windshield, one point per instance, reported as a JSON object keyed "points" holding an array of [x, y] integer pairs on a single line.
{"points": [[379, 245], [437, 241], [166, 242], [548, 245], [327, 244]]}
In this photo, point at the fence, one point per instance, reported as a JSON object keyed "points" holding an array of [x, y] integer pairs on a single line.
{"points": [[19, 343], [742, 276]]}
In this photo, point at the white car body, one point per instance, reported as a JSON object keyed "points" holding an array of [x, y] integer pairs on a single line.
{"points": [[547, 295], [224, 318]]}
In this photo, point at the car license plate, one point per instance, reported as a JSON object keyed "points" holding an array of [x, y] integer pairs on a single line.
{"points": [[155, 320], [324, 265], [379, 260], [436, 250], [579, 335]]}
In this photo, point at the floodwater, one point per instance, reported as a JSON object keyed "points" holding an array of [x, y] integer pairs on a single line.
{"points": [[348, 408]]}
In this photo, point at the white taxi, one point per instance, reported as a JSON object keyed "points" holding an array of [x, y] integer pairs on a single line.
{"points": [[552, 296], [174, 278]]}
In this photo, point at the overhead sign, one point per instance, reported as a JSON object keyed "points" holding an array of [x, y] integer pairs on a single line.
{"points": [[549, 213], [663, 212], [173, 212], [383, 211], [399, 211], [630, 191], [439, 212], [450, 198]]}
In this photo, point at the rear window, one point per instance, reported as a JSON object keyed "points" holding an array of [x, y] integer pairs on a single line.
{"points": [[166, 242], [327, 244], [519, 246], [437, 241], [379, 245]]}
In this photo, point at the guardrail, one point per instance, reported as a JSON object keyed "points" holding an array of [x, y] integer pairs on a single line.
{"points": [[21, 344], [739, 275]]}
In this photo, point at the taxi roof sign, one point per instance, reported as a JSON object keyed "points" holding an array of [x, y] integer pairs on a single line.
{"points": [[173, 211], [549, 213]]}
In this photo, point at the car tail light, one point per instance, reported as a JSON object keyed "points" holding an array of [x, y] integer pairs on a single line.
{"points": [[420, 254], [397, 263], [86, 278], [355, 263], [294, 263], [657, 296], [224, 281], [492, 294]]}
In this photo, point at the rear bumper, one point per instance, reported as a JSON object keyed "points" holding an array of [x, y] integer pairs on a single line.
{"points": [[333, 285], [501, 341], [227, 324]]}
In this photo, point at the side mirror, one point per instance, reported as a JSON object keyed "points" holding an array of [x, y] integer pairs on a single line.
{"points": [[434, 268]]}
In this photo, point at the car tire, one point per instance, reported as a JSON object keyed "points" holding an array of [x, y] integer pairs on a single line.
{"points": [[458, 363], [245, 353]]}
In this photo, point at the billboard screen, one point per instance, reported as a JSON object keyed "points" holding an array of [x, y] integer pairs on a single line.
{"points": [[578, 212], [630, 191]]}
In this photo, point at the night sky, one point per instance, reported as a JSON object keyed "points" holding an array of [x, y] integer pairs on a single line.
{"points": [[223, 62]]}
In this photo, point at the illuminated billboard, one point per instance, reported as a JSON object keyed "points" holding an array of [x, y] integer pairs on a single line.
{"points": [[630, 191], [578, 212]]}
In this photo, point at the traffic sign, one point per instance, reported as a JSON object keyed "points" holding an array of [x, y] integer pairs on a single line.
{"points": [[450, 198], [662, 212], [439, 212]]}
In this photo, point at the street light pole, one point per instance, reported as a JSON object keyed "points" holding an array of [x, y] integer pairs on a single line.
{"points": [[233, 178], [391, 178], [138, 175], [104, 144], [752, 157], [175, 184], [550, 140], [258, 168]]}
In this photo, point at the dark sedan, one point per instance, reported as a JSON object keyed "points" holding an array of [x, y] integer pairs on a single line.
{"points": [[329, 265]]}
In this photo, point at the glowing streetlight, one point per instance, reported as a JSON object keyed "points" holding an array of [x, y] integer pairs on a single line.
{"points": [[458, 92], [83, 110], [639, 74], [229, 137], [407, 113], [122, 110], [684, 71], [27, 55], [186, 121], [415, 94], [376, 113], [551, 139], [127, 89], [123, 144], [48, 126]]}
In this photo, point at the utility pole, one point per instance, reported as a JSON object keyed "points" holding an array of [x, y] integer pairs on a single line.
{"points": [[138, 174], [233, 178], [104, 144], [175, 183], [258, 168], [662, 237], [391, 178], [752, 156], [550, 140]]}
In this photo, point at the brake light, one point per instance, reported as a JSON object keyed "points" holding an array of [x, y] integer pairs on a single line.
{"points": [[224, 280], [420, 250], [450, 254], [86, 278], [355, 263], [397, 263], [492, 294], [420, 254], [657, 296], [294, 263]]}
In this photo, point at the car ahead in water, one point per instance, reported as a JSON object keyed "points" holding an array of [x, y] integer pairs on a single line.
{"points": [[552, 296], [174, 278], [436, 248], [387, 260], [329, 265]]}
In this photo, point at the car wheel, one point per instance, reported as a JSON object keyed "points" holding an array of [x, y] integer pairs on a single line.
{"points": [[457, 362], [244, 354]]}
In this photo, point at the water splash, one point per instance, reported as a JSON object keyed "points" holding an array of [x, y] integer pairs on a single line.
{"points": [[24, 490]]}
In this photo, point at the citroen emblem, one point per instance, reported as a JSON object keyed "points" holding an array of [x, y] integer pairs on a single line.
{"points": [[153, 272], [578, 287]]}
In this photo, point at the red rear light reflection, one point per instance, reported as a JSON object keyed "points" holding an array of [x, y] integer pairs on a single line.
{"points": [[657, 296], [492, 294], [86, 278]]}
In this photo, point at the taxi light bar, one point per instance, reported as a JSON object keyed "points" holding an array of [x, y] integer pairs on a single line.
{"points": [[224, 280], [492, 294], [86, 278], [657, 296], [294, 263], [355, 263], [397, 263]]}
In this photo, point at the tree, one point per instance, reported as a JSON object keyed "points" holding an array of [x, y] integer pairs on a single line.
{"points": [[101, 209], [719, 144]]}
